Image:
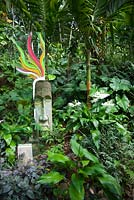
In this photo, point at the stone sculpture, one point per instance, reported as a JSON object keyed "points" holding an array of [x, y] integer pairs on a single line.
{"points": [[35, 68], [43, 104]]}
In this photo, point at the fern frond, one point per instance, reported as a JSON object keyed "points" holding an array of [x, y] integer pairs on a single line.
{"points": [[130, 173]]}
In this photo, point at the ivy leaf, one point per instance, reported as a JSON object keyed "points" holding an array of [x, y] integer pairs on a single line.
{"points": [[13, 145], [10, 154], [8, 138], [123, 102], [51, 178], [76, 189]]}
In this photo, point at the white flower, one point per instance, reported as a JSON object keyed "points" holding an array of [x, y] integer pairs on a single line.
{"points": [[1, 121], [108, 103], [76, 103], [71, 104], [99, 95]]}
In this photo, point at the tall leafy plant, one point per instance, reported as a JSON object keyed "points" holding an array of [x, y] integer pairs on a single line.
{"points": [[78, 170]]}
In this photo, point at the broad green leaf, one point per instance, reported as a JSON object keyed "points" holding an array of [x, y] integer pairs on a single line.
{"points": [[10, 154], [123, 102], [82, 152], [76, 189], [3, 43], [57, 157], [93, 90], [125, 85], [96, 137], [76, 148], [85, 162], [89, 155], [20, 109], [76, 127], [14, 95], [131, 111], [104, 78], [59, 102], [120, 84], [13, 145], [7, 127], [121, 128], [51, 178], [82, 86], [95, 122], [8, 138], [51, 77], [107, 121], [111, 109], [115, 84], [2, 108], [111, 187], [109, 106], [69, 87], [125, 133], [94, 170]]}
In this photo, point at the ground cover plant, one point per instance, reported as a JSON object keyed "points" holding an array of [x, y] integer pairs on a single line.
{"points": [[89, 52]]}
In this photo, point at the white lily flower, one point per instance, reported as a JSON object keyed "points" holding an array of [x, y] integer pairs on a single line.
{"points": [[99, 95], [108, 103], [71, 104], [76, 103]]}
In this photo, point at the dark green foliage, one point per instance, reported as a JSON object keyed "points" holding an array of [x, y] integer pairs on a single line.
{"points": [[20, 183], [104, 132], [10, 136]]}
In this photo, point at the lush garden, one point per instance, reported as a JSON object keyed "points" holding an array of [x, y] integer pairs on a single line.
{"points": [[89, 61]]}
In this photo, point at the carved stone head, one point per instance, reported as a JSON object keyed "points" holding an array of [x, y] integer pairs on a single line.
{"points": [[43, 104]]}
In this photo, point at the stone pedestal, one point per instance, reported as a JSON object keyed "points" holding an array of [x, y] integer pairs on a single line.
{"points": [[25, 154]]}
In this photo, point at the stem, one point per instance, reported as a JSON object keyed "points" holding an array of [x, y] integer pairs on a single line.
{"points": [[69, 66], [69, 54], [60, 32], [88, 66], [12, 10]]}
